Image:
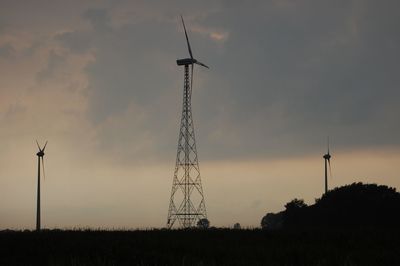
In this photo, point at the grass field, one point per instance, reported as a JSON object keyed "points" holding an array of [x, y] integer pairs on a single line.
{"points": [[200, 247]]}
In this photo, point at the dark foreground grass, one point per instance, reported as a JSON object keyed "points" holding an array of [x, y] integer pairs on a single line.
{"points": [[198, 247]]}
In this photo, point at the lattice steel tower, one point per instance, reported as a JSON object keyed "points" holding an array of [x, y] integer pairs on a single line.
{"points": [[187, 204]]}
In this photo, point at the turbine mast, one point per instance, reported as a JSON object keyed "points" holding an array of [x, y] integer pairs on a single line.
{"points": [[327, 159], [326, 175], [38, 198], [187, 205]]}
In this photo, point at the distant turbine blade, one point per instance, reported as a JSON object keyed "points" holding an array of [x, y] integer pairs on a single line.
{"points": [[201, 64], [187, 39], [44, 146], [38, 145], [328, 144], [44, 176], [330, 170]]}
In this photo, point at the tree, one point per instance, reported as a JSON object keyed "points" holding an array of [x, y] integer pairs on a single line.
{"points": [[352, 206], [272, 221], [294, 213], [295, 204], [237, 226], [203, 223]]}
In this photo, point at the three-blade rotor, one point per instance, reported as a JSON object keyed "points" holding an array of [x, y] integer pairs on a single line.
{"points": [[328, 157], [192, 60], [41, 150], [40, 154]]}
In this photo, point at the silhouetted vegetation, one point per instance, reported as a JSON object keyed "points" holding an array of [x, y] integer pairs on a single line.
{"points": [[272, 221], [237, 226], [353, 225], [200, 247], [203, 223], [353, 206]]}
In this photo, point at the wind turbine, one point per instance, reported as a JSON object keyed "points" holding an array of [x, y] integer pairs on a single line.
{"points": [[187, 205], [40, 156], [327, 159]]}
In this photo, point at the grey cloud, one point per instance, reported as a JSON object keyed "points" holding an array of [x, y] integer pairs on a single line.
{"points": [[76, 41], [33, 48], [129, 68], [55, 63], [286, 77], [325, 79], [7, 51], [14, 110], [2, 26], [98, 17]]}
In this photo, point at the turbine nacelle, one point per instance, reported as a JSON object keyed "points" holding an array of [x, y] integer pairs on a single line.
{"points": [[189, 61], [186, 61], [41, 150], [327, 156]]}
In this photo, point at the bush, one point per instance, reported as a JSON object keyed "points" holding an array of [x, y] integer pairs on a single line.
{"points": [[203, 223]]}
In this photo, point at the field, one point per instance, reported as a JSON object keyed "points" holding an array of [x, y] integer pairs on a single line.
{"points": [[200, 247]]}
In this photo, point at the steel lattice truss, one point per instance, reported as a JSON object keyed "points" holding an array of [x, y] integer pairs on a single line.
{"points": [[187, 204]]}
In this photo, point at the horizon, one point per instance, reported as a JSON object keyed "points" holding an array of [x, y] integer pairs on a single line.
{"points": [[98, 80]]}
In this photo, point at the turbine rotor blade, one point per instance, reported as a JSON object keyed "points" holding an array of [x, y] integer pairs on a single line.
{"points": [[201, 64], [330, 170], [328, 144], [44, 146], [187, 39], [38, 145]]}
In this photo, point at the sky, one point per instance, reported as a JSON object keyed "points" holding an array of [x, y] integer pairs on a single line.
{"points": [[98, 79]]}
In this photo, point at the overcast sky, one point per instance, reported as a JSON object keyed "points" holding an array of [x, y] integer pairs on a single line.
{"points": [[99, 81]]}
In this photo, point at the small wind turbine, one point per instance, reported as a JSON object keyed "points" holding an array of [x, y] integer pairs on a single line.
{"points": [[40, 156], [327, 158]]}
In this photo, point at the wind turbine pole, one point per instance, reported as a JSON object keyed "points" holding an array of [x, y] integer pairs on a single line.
{"points": [[186, 216], [326, 175], [40, 155], [38, 199], [327, 159]]}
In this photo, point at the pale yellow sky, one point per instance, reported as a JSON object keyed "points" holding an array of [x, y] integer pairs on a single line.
{"points": [[80, 194]]}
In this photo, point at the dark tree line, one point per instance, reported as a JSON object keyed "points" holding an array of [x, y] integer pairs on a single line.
{"points": [[357, 205]]}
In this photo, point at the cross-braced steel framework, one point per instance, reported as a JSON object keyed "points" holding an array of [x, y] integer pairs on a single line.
{"points": [[187, 204]]}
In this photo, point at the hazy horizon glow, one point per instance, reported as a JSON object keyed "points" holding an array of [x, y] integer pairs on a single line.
{"points": [[98, 80]]}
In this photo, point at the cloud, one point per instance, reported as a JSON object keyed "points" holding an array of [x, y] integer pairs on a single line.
{"points": [[284, 78], [219, 36], [98, 17], [76, 41], [14, 110], [6, 51], [297, 74], [54, 64]]}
